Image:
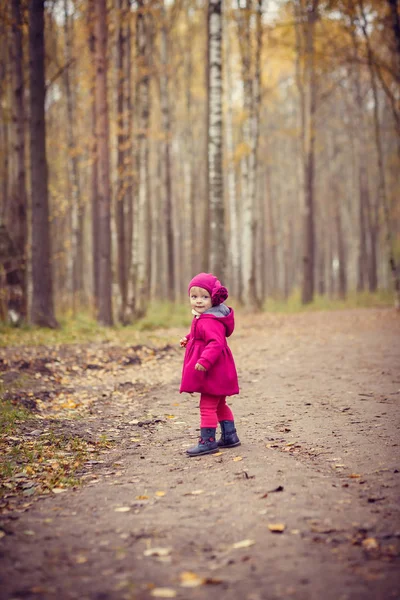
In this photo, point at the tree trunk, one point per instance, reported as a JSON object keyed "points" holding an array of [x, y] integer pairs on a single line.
{"points": [[189, 147], [42, 312], [166, 169], [143, 225], [18, 213], [382, 197], [120, 211], [252, 298], [310, 15], [94, 167], [395, 18], [272, 275], [76, 258], [247, 215], [234, 237], [364, 202], [215, 179], [105, 316]]}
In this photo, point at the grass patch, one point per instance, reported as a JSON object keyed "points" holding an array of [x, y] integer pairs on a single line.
{"points": [[11, 415], [353, 300], [36, 465], [83, 328]]}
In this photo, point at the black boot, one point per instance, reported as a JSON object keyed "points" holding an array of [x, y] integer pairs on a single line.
{"points": [[229, 437], [207, 443]]}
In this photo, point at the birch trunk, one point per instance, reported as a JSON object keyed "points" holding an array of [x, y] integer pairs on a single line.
{"points": [[252, 298], [76, 257], [142, 256], [234, 237], [189, 148], [246, 198], [215, 177], [167, 187]]}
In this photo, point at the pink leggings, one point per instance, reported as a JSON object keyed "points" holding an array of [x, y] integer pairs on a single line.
{"points": [[214, 409]]}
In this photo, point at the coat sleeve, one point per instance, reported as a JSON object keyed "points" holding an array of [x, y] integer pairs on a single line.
{"points": [[215, 343]]}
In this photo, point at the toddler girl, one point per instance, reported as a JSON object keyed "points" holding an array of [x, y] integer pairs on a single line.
{"points": [[208, 366]]}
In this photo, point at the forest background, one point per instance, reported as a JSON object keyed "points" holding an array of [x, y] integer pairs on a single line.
{"points": [[144, 141]]}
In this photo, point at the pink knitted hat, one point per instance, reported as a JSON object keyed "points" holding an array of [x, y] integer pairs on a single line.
{"points": [[209, 282]]}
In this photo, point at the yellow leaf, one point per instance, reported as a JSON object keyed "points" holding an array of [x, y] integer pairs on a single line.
{"points": [[276, 527], [142, 497], [157, 552], [217, 453], [80, 559], [354, 476], [370, 544], [163, 593], [190, 579], [237, 458], [160, 494], [243, 544]]}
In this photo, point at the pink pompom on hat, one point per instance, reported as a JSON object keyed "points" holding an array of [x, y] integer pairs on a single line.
{"points": [[209, 282]]}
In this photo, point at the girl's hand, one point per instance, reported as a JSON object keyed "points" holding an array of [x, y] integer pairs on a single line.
{"points": [[183, 342], [200, 367]]}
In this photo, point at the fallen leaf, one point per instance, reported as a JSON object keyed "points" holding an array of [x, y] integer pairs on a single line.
{"points": [[190, 579], [354, 476], [122, 509], [212, 581], [276, 527], [237, 458], [160, 494], [370, 544], [58, 490], [157, 552], [243, 544], [195, 493], [163, 593], [217, 453], [142, 497], [80, 559]]}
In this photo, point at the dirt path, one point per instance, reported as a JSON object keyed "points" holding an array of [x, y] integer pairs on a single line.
{"points": [[318, 416]]}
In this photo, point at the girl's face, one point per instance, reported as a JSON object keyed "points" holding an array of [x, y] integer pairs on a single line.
{"points": [[200, 299]]}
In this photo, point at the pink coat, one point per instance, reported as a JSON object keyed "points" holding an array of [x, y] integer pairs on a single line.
{"points": [[207, 345]]}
